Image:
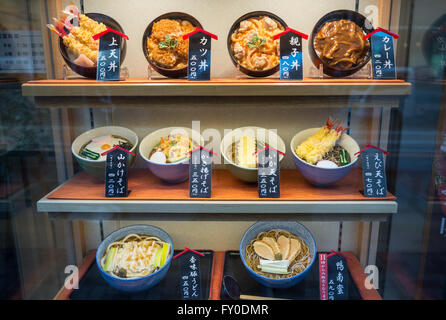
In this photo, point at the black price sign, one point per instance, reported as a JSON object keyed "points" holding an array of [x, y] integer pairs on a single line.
{"points": [[333, 276], [116, 173], [291, 62], [383, 55], [373, 173], [109, 57], [190, 280], [200, 173], [199, 59], [268, 173]]}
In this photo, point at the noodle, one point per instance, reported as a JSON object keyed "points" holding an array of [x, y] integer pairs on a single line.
{"points": [[298, 265], [134, 256]]}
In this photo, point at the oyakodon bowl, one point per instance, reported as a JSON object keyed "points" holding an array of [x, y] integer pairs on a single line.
{"points": [[357, 18], [141, 283], [290, 226], [262, 134], [90, 72], [169, 172], [323, 176], [170, 73], [235, 26], [97, 167]]}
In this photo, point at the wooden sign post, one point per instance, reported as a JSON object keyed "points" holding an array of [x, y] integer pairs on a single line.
{"points": [[109, 55], [200, 173], [291, 62], [190, 275], [333, 276], [199, 58], [373, 172], [268, 172], [383, 53], [116, 172]]}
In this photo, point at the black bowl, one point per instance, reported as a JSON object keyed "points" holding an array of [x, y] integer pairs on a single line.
{"points": [[357, 18], [90, 72], [170, 73], [235, 26]]}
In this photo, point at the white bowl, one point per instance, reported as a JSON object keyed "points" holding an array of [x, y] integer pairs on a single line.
{"points": [[261, 134], [97, 167], [170, 172]]}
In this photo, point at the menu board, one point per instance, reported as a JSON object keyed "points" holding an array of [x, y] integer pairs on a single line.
{"points": [[373, 173], [116, 174], [200, 174], [268, 173], [190, 284], [333, 277], [199, 59], [109, 57], [21, 51], [383, 56], [291, 66]]}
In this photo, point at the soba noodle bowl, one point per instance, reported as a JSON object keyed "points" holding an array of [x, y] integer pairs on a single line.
{"points": [[301, 261]]}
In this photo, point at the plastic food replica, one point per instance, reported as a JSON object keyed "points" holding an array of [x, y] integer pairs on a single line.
{"points": [[173, 148], [252, 43], [243, 151], [94, 148], [79, 39], [135, 256], [166, 45], [321, 149], [340, 44], [277, 254]]}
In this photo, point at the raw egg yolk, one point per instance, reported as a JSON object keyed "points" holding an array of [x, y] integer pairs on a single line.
{"points": [[105, 146]]}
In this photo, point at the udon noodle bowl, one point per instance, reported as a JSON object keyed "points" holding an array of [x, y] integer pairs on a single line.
{"points": [[135, 256], [340, 44], [252, 43], [277, 254]]}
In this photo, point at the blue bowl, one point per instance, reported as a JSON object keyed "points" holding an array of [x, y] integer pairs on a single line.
{"points": [[290, 226], [169, 172], [135, 284], [322, 177]]}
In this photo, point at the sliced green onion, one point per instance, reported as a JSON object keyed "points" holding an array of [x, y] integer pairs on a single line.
{"points": [[109, 259]]}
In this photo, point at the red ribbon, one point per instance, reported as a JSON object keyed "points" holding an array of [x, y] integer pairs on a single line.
{"points": [[98, 35], [186, 249], [337, 253], [197, 29], [368, 146], [201, 147], [303, 35], [117, 147], [269, 147], [394, 35]]}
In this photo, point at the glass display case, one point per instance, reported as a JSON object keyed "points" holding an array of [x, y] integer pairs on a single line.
{"points": [[223, 150]]}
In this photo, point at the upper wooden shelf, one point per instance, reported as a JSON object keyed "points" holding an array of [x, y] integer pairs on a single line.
{"points": [[216, 87], [85, 195]]}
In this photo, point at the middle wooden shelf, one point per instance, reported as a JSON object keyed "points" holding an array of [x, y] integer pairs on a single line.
{"points": [[85, 194]]}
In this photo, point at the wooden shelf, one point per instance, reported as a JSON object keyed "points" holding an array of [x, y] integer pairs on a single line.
{"points": [[231, 199], [215, 87], [356, 271]]}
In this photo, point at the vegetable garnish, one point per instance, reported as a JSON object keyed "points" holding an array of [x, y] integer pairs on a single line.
{"points": [[256, 42], [169, 43]]}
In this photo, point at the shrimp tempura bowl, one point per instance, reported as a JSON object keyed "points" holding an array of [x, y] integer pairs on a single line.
{"points": [[307, 149]]}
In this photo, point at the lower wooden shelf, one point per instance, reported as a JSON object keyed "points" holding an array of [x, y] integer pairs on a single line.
{"points": [[231, 199], [92, 286]]}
